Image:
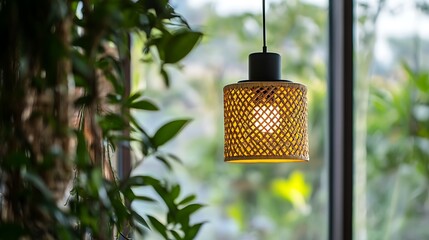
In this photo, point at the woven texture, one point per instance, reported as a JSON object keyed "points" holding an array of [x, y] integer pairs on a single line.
{"points": [[265, 122]]}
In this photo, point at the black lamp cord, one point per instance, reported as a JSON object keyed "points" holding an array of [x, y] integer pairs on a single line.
{"points": [[264, 48]]}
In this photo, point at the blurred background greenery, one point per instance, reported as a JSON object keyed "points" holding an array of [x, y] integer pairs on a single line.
{"points": [[290, 201]]}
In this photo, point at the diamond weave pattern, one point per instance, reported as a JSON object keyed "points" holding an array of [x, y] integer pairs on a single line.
{"points": [[265, 122]]}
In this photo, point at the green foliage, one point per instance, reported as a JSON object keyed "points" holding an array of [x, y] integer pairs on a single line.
{"points": [[78, 47], [177, 223], [168, 131], [177, 45], [405, 121], [397, 153], [395, 139]]}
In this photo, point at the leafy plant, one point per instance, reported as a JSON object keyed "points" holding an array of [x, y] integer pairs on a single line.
{"points": [[65, 108]]}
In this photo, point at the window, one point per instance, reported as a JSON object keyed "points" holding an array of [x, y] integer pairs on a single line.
{"points": [[369, 161], [391, 120], [260, 201]]}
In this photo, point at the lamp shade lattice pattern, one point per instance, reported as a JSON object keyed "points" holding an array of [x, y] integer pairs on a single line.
{"points": [[265, 121]]}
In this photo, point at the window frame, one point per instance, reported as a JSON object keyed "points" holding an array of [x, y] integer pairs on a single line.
{"points": [[340, 119]]}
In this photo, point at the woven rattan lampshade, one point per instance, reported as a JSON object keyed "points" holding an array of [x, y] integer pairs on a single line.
{"points": [[265, 118], [265, 121]]}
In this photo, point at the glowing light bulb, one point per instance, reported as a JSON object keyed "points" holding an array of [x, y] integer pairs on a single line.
{"points": [[266, 118]]}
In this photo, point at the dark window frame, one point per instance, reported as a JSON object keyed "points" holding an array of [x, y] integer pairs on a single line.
{"points": [[340, 98]]}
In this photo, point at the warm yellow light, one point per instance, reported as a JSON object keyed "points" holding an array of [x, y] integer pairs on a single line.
{"points": [[265, 122], [266, 118]]}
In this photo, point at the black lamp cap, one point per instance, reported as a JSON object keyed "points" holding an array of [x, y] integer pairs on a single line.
{"points": [[264, 66]]}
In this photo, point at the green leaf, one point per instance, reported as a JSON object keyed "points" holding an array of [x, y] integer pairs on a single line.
{"points": [[144, 105], [133, 97], [158, 226], [146, 145], [176, 235], [140, 181], [129, 194], [408, 70], [165, 76], [112, 122], [193, 231], [165, 162], [179, 45], [139, 219], [120, 210], [144, 198], [168, 131], [166, 197], [184, 213], [188, 210], [96, 180], [187, 200], [175, 158], [420, 79], [137, 126], [422, 82], [175, 191]]}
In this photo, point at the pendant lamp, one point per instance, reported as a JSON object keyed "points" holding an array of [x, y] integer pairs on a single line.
{"points": [[265, 117]]}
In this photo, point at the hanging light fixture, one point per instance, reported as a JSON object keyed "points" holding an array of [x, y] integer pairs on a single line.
{"points": [[265, 118]]}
